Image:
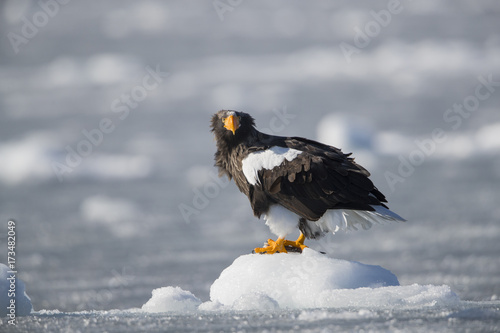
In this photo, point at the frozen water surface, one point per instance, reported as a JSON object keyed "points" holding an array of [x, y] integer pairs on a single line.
{"points": [[106, 161], [307, 291], [466, 317]]}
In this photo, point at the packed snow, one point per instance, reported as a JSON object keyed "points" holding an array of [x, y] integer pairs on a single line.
{"points": [[286, 281], [171, 299], [294, 280], [302, 281], [309, 288]]}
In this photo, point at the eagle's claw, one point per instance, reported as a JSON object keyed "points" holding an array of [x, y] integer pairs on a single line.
{"points": [[282, 245]]}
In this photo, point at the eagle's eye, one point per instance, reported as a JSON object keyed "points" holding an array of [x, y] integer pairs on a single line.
{"points": [[224, 119]]}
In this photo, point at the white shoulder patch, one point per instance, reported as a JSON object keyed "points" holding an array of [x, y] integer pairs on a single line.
{"points": [[266, 159]]}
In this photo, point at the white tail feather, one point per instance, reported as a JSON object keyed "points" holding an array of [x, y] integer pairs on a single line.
{"points": [[347, 219]]}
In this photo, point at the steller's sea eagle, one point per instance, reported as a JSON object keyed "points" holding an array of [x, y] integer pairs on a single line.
{"points": [[295, 182]]}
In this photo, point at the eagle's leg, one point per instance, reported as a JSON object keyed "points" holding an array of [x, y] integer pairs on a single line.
{"points": [[272, 247], [299, 243], [279, 246]]}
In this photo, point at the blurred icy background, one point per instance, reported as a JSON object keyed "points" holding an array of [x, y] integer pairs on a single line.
{"points": [[111, 230]]}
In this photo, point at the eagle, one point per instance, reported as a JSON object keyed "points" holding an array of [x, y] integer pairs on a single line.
{"points": [[295, 183]]}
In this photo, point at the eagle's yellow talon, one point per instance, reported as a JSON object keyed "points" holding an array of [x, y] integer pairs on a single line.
{"points": [[272, 247], [279, 246], [299, 243]]}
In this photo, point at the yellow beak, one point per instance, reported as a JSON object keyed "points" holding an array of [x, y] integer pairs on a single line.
{"points": [[232, 123]]}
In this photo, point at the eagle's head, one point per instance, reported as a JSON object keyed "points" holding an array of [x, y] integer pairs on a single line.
{"points": [[232, 127]]}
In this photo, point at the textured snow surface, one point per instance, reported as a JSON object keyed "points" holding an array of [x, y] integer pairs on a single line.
{"points": [[294, 281], [171, 299], [284, 292], [302, 281]]}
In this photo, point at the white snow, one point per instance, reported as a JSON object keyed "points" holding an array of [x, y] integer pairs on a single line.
{"points": [[147, 17], [199, 175], [27, 159], [354, 134], [401, 84], [113, 166], [413, 296], [454, 145], [119, 215], [488, 137], [99, 69], [22, 303], [293, 281], [255, 301], [429, 58], [269, 283], [31, 158], [392, 143], [266, 159], [346, 132], [310, 280], [171, 299]]}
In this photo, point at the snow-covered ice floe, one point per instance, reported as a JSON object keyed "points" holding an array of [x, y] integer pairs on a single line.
{"points": [[301, 281], [302, 292], [282, 281]]}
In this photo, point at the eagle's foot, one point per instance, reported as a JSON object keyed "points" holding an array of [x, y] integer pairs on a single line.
{"points": [[282, 245], [297, 245], [272, 247]]}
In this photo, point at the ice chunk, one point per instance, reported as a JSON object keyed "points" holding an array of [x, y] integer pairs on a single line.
{"points": [[22, 303], [293, 280], [254, 301], [171, 299], [310, 280], [414, 296], [211, 306]]}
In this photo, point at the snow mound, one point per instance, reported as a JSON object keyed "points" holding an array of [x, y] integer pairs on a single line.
{"points": [[254, 301], [171, 299], [23, 305], [310, 280], [293, 281]]}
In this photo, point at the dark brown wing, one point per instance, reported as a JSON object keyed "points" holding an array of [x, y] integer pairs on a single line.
{"points": [[320, 178]]}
